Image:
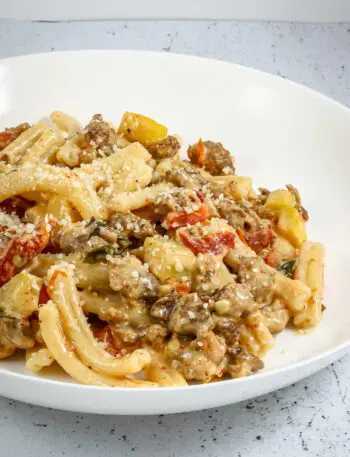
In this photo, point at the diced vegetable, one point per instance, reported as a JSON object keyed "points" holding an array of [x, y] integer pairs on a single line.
{"points": [[20, 297], [260, 238], [212, 244], [22, 249], [168, 259], [279, 199], [292, 226], [15, 205], [197, 155], [135, 127]]}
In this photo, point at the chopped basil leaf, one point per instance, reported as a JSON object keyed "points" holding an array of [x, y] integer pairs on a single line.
{"points": [[99, 254], [287, 267]]}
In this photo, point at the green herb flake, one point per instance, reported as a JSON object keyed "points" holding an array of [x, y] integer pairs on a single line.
{"points": [[287, 267], [99, 254]]}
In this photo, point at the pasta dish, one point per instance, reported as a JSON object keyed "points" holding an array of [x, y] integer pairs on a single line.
{"points": [[128, 266]]}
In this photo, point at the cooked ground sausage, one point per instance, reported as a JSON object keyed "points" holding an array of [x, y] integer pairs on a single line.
{"points": [[186, 314], [234, 300], [176, 200], [128, 276], [259, 280], [213, 157], [128, 225], [237, 214], [242, 363], [190, 315], [99, 139], [184, 174], [164, 149]]}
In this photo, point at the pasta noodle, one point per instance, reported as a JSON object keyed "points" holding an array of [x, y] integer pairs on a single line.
{"points": [[38, 358], [43, 150], [66, 357], [310, 272], [163, 374], [65, 122], [64, 294], [93, 276], [14, 151], [129, 267], [127, 201], [53, 179], [256, 336]]}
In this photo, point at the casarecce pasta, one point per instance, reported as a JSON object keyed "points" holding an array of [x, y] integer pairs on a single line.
{"points": [[129, 267]]}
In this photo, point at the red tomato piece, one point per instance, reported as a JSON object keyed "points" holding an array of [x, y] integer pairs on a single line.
{"points": [[211, 244], [272, 259], [21, 249], [201, 195], [241, 236], [44, 296], [260, 239], [200, 152], [182, 288], [176, 220], [6, 138], [16, 205], [104, 335]]}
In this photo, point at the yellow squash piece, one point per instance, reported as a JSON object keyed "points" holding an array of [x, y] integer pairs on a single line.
{"points": [[279, 199], [168, 259], [292, 226], [135, 127]]}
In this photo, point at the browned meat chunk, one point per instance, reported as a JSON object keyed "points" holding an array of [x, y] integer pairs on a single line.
{"points": [[186, 314], [164, 149], [237, 214], [184, 174], [128, 225], [80, 236], [234, 300], [128, 276], [155, 335], [213, 345], [10, 134], [258, 278], [163, 307], [176, 200], [190, 315], [98, 140], [229, 329], [120, 231], [242, 363], [258, 233], [209, 274], [14, 333], [213, 157], [197, 366]]}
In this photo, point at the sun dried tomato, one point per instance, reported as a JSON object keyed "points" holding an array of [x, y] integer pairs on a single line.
{"points": [[175, 220]]}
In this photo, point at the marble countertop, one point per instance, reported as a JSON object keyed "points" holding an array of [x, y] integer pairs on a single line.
{"points": [[310, 418]]}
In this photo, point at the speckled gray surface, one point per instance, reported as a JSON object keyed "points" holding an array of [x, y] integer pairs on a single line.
{"points": [[311, 418]]}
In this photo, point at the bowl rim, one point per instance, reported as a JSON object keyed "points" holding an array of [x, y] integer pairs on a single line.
{"points": [[260, 376]]}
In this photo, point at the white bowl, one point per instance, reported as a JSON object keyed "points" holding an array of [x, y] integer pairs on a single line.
{"points": [[279, 133]]}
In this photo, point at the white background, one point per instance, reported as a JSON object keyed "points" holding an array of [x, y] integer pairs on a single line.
{"points": [[284, 10]]}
